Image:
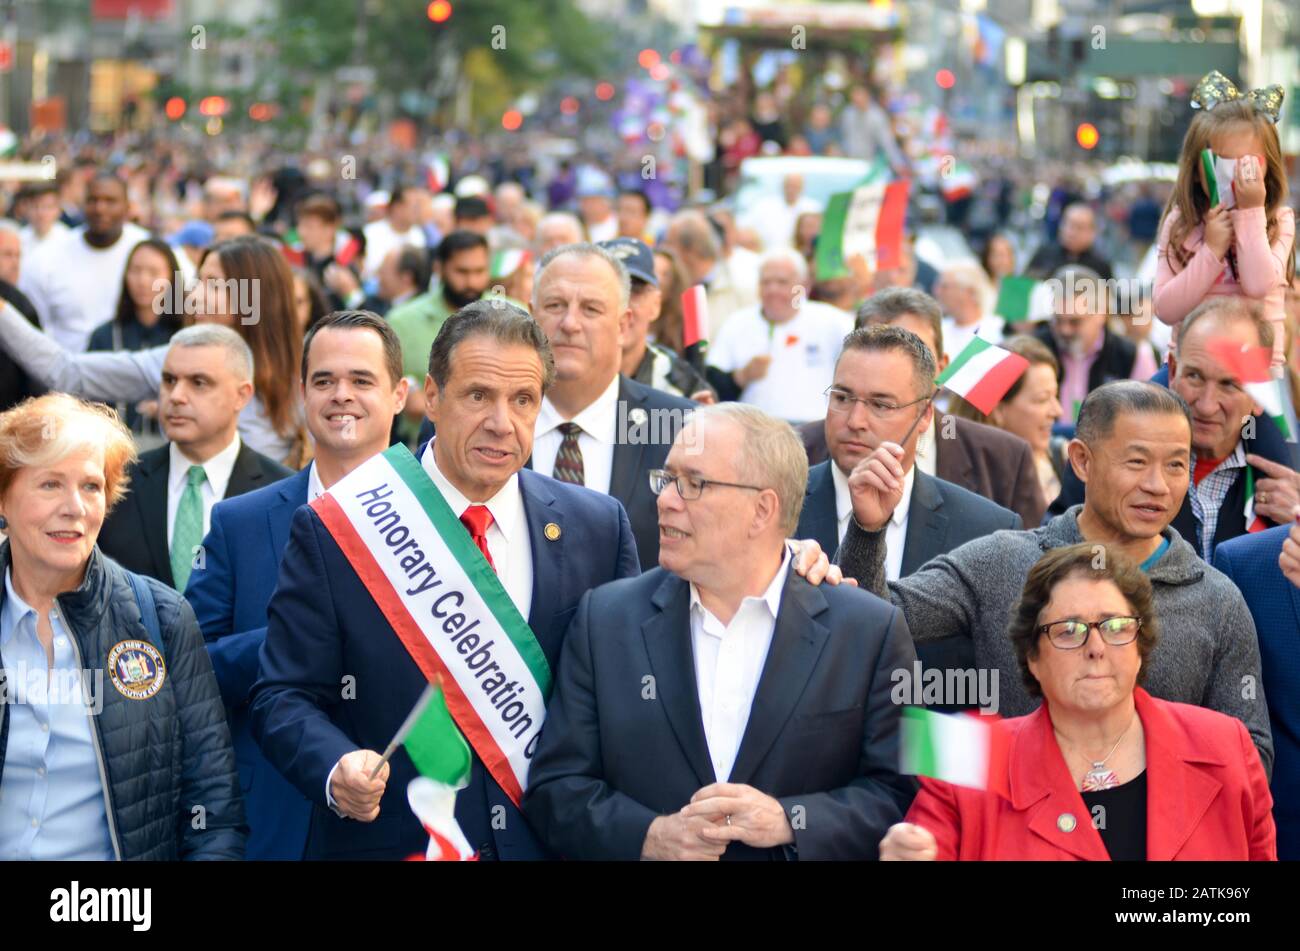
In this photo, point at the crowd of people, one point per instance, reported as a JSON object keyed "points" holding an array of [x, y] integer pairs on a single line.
{"points": [[707, 502]]}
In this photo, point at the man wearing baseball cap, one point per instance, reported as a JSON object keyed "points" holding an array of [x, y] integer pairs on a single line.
{"points": [[646, 362]]}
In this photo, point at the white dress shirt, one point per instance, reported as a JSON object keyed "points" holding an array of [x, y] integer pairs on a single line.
{"points": [[599, 422], [729, 661], [507, 536], [895, 528], [315, 488], [990, 327], [212, 490], [927, 447]]}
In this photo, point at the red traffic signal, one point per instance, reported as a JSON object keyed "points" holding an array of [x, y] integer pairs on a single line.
{"points": [[439, 11], [213, 106]]}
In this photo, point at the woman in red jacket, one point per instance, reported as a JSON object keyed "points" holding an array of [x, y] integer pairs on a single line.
{"points": [[1101, 770]]}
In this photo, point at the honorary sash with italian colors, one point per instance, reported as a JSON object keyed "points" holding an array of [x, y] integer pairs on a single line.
{"points": [[447, 606]]}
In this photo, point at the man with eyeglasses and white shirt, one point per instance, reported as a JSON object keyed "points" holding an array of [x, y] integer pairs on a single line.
{"points": [[882, 384], [881, 393]]}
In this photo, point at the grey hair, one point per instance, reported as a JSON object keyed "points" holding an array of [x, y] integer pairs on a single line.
{"points": [[239, 356], [1107, 402], [585, 249], [501, 321], [563, 217], [972, 277], [785, 256], [771, 456], [886, 306], [694, 235], [1232, 308]]}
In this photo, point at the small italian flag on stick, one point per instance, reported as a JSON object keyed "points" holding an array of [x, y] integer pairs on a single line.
{"points": [[1250, 365], [505, 263], [442, 757], [982, 374], [962, 749], [695, 315]]}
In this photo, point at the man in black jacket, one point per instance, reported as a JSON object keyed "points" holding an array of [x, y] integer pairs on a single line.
{"points": [[1088, 353], [719, 706], [158, 528], [1075, 237]]}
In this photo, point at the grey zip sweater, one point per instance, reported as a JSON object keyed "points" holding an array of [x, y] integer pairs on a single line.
{"points": [[1207, 654]]}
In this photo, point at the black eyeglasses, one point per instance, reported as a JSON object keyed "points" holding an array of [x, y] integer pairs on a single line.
{"points": [[689, 488], [1071, 634]]}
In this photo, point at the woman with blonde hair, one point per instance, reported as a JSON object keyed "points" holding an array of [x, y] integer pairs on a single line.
{"points": [[113, 738]]}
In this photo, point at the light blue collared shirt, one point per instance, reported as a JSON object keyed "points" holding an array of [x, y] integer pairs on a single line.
{"points": [[51, 795]]}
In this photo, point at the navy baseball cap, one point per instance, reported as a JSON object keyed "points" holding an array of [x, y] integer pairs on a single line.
{"points": [[636, 257]]}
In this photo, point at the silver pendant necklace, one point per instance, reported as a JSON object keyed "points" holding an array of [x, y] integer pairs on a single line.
{"points": [[1099, 778]]}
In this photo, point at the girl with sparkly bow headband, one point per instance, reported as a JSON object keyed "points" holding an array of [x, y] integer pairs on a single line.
{"points": [[1227, 228]]}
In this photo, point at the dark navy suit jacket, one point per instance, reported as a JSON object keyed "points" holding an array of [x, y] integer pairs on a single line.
{"points": [[326, 635], [941, 517], [1274, 602], [230, 594]]}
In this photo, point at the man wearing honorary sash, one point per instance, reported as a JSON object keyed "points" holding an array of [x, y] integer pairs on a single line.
{"points": [[408, 571], [719, 706]]}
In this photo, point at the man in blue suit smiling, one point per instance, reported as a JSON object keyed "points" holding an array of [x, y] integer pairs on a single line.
{"points": [[353, 386]]}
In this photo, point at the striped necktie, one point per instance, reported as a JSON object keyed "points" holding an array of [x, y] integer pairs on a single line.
{"points": [[187, 532], [568, 461]]}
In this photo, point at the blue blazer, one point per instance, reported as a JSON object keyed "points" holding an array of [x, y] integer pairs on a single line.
{"points": [[230, 594], [1274, 602], [334, 678]]}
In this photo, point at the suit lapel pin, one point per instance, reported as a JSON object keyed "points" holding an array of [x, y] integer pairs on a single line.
{"points": [[551, 531], [638, 416], [1065, 822]]}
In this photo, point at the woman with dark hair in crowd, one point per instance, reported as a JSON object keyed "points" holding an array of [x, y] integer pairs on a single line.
{"points": [[1029, 410], [245, 284], [147, 315], [667, 329], [310, 302]]}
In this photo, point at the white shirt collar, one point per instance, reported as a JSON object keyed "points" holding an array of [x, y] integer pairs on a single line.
{"points": [[15, 608], [217, 469], [844, 501], [899, 518], [506, 507], [599, 420], [315, 488], [927, 447], [771, 596]]}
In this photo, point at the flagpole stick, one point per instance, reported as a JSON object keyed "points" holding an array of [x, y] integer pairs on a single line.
{"points": [[388, 753], [920, 416]]}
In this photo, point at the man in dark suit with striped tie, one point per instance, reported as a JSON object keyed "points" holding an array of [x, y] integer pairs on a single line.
{"points": [[597, 427]]}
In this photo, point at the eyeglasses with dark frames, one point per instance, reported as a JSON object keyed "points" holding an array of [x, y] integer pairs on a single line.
{"points": [[689, 488], [1071, 633]]}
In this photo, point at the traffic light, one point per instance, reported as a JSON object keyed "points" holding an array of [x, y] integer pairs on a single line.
{"points": [[1087, 135], [439, 11]]}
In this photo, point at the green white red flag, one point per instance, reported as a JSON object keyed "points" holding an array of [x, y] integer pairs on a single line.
{"points": [[1251, 366], [442, 757], [695, 315], [982, 374], [962, 749], [867, 221]]}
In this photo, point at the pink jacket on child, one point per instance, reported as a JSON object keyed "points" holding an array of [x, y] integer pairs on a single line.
{"points": [[1261, 268]]}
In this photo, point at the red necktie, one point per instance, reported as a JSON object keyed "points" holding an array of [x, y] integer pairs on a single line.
{"points": [[477, 519]]}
